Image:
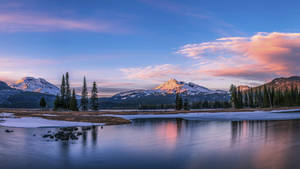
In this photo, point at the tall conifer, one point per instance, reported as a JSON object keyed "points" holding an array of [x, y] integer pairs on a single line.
{"points": [[67, 92], [94, 98], [73, 104], [84, 96], [63, 92]]}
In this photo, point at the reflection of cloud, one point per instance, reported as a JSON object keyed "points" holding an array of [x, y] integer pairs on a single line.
{"points": [[169, 134]]}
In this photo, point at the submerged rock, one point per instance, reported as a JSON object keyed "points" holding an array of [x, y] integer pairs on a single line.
{"points": [[67, 133], [8, 131]]}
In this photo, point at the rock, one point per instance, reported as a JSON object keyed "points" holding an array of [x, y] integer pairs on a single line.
{"points": [[47, 135], [79, 134], [87, 128], [73, 137], [9, 131], [69, 129]]}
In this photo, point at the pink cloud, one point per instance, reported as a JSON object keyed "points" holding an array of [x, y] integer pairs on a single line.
{"points": [[261, 56], [157, 72], [36, 22]]}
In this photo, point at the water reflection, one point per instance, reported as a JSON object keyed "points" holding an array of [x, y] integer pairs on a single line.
{"points": [[160, 143]]}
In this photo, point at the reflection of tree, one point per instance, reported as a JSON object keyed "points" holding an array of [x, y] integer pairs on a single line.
{"points": [[248, 130], [94, 135], [84, 137], [179, 126], [64, 152]]}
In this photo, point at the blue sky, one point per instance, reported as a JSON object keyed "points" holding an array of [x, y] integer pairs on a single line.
{"points": [[141, 43]]}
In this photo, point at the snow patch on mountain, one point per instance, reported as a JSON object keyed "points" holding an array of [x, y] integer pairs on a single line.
{"points": [[32, 84], [172, 86]]}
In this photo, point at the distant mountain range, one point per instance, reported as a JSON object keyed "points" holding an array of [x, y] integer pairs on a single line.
{"points": [[163, 94], [278, 84], [16, 98], [39, 85]]}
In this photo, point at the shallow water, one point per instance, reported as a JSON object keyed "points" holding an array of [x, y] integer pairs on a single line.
{"points": [[159, 143]]}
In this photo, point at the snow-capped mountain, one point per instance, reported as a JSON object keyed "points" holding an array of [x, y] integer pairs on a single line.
{"points": [[38, 85], [171, 87]]}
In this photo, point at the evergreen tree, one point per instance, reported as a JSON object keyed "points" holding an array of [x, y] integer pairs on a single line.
{"points": [[239, 100], [94, 98], [67, 92], [251, 104], [233, 98], [178, 102], [57, 103], [43, 103], [186, 105], [297, 96], [272, 96], [84, 96], [246, 99], [73, 104], [205, 104], [266, 100], [63, 93]]}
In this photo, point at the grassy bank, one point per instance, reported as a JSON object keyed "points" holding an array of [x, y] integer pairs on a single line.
{"points": [[109, 120]]}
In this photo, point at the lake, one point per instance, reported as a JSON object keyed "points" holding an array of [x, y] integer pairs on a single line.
{"points": [[159, 143]]}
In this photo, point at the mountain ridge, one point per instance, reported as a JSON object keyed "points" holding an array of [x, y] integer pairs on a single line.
{"points": [[280, 83], [38, 85]]}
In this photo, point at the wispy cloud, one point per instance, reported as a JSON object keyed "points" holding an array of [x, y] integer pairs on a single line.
{"points": [[260, 57], [151, 72], [36, 22]]}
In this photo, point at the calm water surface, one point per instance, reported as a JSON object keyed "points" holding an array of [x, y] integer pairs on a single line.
{"points": [[159, 143]]}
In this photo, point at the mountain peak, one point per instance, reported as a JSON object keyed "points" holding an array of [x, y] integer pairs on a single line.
{"points": [[32, 84], [173, 86]]}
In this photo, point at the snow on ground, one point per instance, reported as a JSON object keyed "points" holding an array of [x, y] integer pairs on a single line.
{"points": [[223, 116], [35, 122], [7, 115], [50, 115]]}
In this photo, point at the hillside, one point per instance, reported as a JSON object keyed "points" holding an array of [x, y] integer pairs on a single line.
{"points": [[15, 98], [278, 84]]}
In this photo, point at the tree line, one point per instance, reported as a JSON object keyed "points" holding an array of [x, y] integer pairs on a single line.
{"points": [[67, 100], [264, 97]]}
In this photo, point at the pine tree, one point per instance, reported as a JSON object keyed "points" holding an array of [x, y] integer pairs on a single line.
{"points": [[251, 104], [43, 103], [94, 98], [178, 104], [84, 96], [186, 105], [63, 93], [67, 92], [234, 99], [246, 99], [57, 103], [176, 101], [266, 99], [73, 104]]}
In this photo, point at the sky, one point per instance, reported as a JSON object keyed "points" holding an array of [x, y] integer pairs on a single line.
{"points": [[142, 43]]}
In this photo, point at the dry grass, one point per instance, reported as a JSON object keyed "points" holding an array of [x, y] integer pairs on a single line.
{"points": [[109, 120]]}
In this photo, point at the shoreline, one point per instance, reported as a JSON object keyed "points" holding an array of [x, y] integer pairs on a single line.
{"points": [[117, 117]]}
